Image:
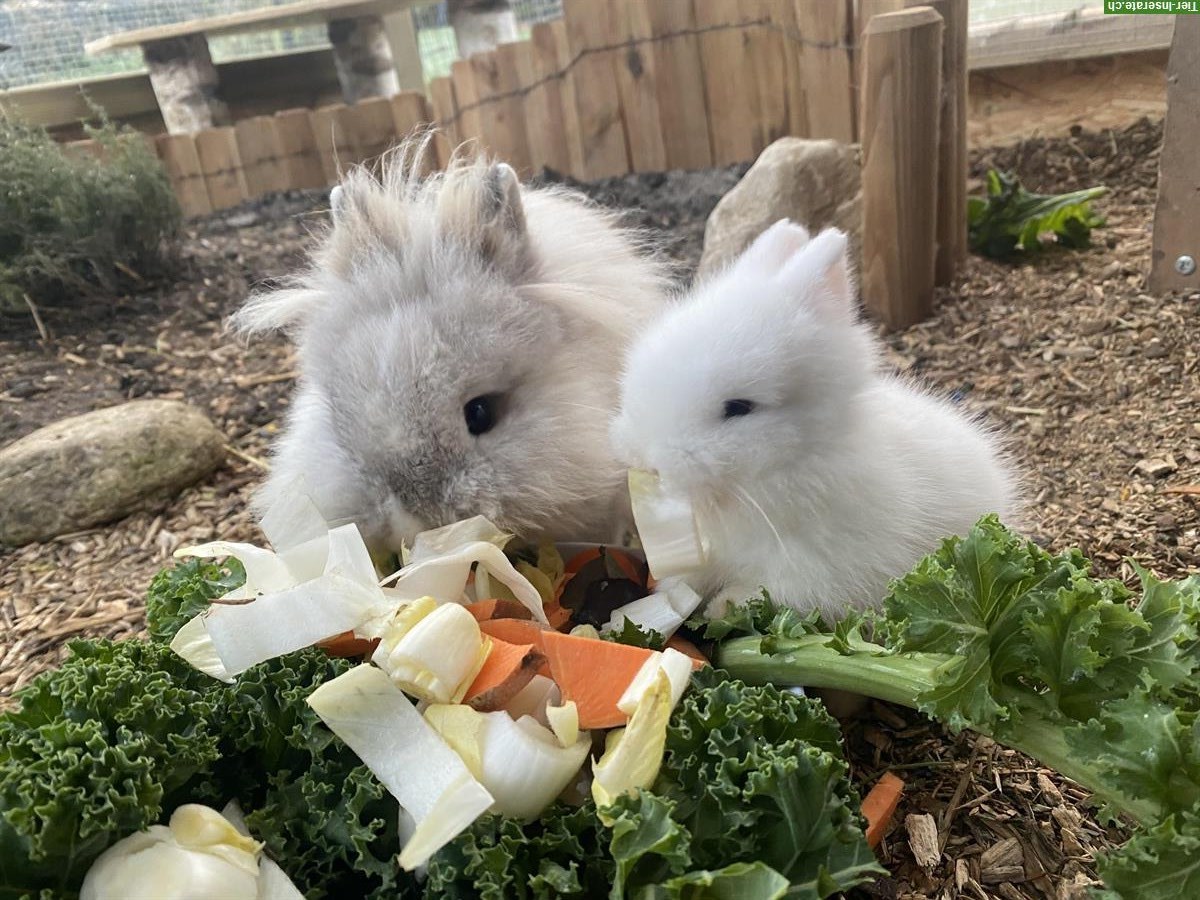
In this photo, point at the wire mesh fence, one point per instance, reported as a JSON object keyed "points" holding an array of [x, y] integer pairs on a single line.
{"points": [[47, 36]]}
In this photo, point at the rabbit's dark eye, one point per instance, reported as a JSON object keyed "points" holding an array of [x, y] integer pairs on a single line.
{"points": [[738, 408], [480, 414]]}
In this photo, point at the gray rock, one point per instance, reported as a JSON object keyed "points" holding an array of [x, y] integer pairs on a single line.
{"points": [[815, 183], [94, 468]]}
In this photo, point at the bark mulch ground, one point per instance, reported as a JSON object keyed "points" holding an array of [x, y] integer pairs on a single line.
{"points": [[1093, 379]]}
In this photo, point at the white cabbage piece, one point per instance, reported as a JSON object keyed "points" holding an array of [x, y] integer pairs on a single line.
{"points": [[663, 611]]}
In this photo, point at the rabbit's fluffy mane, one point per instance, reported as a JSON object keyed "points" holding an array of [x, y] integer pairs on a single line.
{"points": [[437, 222]]}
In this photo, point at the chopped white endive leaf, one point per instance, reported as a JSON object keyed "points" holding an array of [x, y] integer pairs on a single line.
{"points": [[451, 538], [677, 666], [436, 657], [521, 764], [193, 643], [293, 519], [265, 571], [445, 577], [429, 779], [564, 722], [534, 699], [200, 854], [663, 611], [666, 525], [284, 621], [633, 754], [273, 882]]}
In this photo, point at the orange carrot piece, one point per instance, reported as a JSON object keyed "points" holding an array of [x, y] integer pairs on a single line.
{"points": [[687, 648], [497, 608], [508, 668], [558, 616], [593, 673], [627, 564], [347, 645], [518, 631], [879, 807]]}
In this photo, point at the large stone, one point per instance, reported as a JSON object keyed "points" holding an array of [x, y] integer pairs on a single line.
{"points": [[815, 183], [94, 468]]}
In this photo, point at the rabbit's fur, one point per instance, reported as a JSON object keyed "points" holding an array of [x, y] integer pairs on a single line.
{"points": [[840, 477], [428, 292]]}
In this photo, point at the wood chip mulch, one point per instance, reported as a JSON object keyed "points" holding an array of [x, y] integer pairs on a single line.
{"points": [[1093, 380]]}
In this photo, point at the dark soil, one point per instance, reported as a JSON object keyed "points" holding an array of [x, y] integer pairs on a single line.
{"points": [[1093, 380]]}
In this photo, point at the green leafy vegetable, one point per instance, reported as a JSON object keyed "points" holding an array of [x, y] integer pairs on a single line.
{"points": [[995, 634], [186, 590], [631, 634], [1010, 218]]}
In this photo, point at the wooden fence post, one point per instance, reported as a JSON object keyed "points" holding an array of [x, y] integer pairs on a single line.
{"points": [[597, 99], [370, 129], [222, 165], [333, 143], [825, 64], [680, 81], [466, 99], [262, 158], [729, 83], [1177, 215], [445, 118], [637, 79], [901, 93], [544, 120], [298, 149], [182, 164]]}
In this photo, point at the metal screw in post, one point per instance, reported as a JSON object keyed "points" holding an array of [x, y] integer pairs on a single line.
{"points": [[1185, 265]]}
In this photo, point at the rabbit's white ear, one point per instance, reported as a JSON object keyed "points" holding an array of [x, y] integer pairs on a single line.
{"points": [[337, 202], [821, 276], [771, 250]]}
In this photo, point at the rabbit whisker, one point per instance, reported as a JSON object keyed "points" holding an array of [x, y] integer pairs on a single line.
{"points": [[741, 493]]}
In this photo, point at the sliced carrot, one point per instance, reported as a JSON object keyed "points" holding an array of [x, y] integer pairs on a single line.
{"points": [[508, 668], [687, 648], [558, 616], [628, 565], [519, 631], [879, 806], [347, 645], [498, 608], [593, 673]]}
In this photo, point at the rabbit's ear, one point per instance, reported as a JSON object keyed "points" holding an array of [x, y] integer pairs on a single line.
{"points": [[821, 276], [337, 202], [775, 247], [503, 239]]}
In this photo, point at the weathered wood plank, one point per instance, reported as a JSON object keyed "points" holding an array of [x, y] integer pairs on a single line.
{"points": [[597, 98], [182, 164], [262, 158], [637, 79], [298, 149], [222, 165]]}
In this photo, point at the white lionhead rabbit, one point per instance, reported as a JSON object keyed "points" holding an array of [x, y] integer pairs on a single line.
{"points": [[811, 472], [459, 340]]}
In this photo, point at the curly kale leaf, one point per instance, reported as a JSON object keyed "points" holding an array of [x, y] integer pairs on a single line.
{"points": [[562, 854], [98, 749], [751, 776], [185, 590]]}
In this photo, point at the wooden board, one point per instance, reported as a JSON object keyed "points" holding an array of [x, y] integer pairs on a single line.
{"points": [[764, 45], [261, 155], [952, 141], [571, 125], [410, 121], [298, 150], [222, 166], [597, 99], [544, 122], [502, 116], [783, 17], [1177, 215], [826, 68], [637, 80], [901, 91], [182, 164], [266, 18], [466, 99], [445, 119], [729, 84], [370, 129], [334, 148], [679, 80]]}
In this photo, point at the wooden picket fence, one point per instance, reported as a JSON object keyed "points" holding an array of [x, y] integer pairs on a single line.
{"points": [[620, 86]]}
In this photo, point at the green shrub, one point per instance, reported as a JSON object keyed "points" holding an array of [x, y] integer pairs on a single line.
{"points": [[72, 224]]}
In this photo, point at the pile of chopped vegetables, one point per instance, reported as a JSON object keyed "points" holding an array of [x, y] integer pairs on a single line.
{"points": [[459, 729], [493, 720]]}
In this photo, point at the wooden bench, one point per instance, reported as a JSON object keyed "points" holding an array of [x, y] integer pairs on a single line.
{"points": [[374, 49]]}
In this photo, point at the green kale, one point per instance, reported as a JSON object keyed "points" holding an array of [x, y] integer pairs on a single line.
{"points": [[753, 789], [1010, 218], [185, 590], [633, 635], [995, 634]]}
